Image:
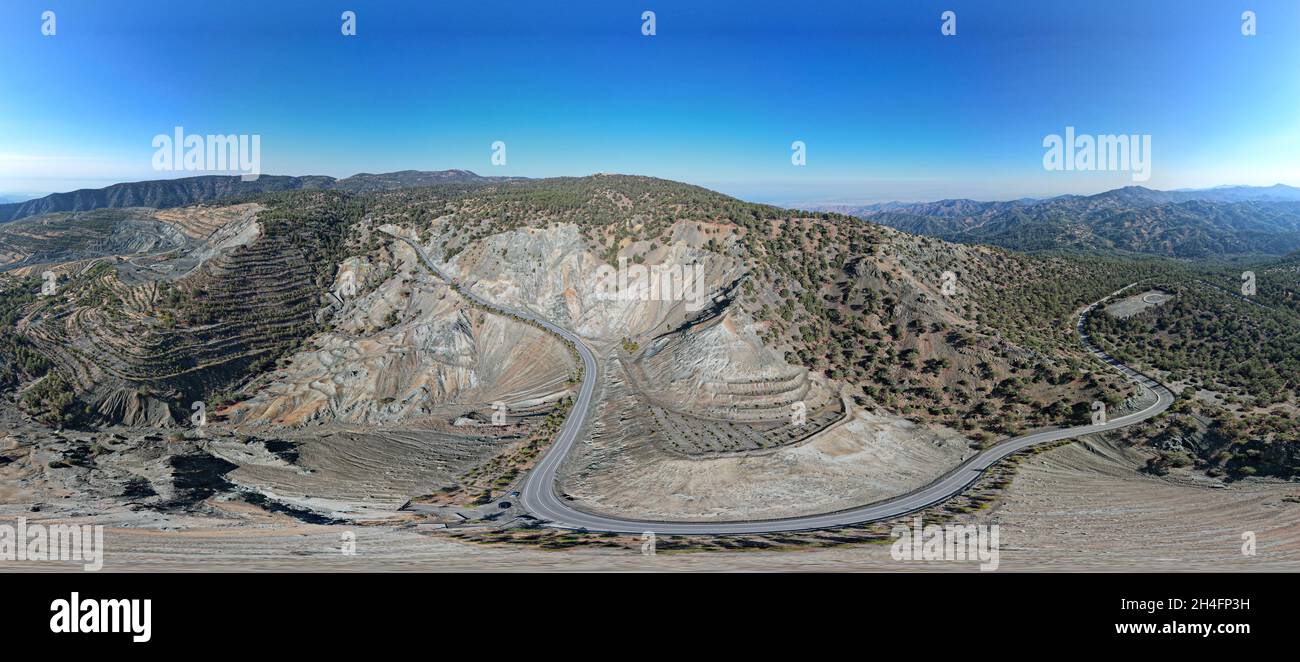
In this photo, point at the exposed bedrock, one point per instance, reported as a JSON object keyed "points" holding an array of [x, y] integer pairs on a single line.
{"points": [[404, 346]]}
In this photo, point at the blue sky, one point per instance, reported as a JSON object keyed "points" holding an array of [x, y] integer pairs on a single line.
{"points": [[888, 107]]}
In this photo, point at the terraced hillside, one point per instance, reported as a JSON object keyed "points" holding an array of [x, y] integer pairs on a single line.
{"points": [[403, 346], [137, 338], [714, 388], [71, 236]]}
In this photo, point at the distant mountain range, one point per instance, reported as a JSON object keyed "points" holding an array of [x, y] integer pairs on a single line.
{"points": [[1217, 222], [191, 190], [1223, 221]]}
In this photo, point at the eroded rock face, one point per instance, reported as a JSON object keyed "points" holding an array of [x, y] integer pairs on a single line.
{"points": [[406, 347], [721, 369], [691, 350], [553, 272], [697, 417]]}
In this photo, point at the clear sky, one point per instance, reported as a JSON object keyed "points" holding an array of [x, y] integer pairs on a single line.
{"points": [[888, 107]]}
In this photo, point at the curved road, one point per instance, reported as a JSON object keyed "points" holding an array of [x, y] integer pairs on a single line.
{"points": [[540, 498]]}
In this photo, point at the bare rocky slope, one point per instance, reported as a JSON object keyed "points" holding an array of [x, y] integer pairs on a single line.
{"points": [[754, 361]]}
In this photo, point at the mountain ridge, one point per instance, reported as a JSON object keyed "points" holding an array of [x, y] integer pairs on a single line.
{"points": [[166, 193], [1224, 221], [1227, 193]]}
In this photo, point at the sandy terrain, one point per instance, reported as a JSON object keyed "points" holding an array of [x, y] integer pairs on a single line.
{"points": [[1070, 509], [1079, 507], [1084, 506], [624, 471]]}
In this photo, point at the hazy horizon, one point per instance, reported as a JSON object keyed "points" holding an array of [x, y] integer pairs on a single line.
{"points": [[773, 199]]}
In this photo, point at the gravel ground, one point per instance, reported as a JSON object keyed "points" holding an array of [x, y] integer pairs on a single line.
{"points": [[1079, 507]]}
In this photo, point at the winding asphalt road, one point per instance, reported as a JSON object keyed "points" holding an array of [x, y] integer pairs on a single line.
{"points": [[541, 499]]}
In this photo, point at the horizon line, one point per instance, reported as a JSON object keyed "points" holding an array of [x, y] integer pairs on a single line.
{"points": [[29, 196]]}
